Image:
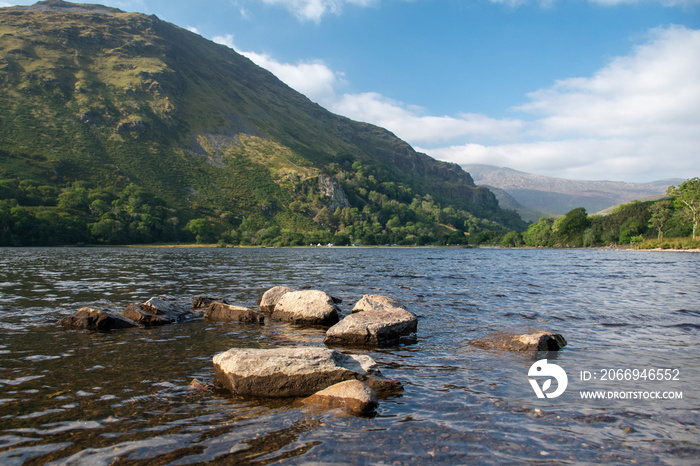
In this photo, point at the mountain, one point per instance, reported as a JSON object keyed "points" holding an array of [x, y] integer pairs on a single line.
{"points": [[556, 196], [133, 128], [508, 202]]}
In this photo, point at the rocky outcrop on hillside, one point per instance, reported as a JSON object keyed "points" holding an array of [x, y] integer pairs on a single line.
{"points": [[333, 192]]}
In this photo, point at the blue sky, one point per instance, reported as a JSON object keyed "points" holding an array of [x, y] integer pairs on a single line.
{"points": [[581, 89]]}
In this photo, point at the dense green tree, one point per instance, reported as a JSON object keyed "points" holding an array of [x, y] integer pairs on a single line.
{"points": [[512, 239], [108, 231], [687, 195], [568, 230], [660, 215], [202, 230], [539, 234], [74, 197]]}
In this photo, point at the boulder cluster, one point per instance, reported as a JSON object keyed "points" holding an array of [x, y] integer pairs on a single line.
{"points": [[325, 377]]}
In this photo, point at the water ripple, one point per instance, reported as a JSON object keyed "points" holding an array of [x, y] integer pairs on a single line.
{"points": [[97, 398]]}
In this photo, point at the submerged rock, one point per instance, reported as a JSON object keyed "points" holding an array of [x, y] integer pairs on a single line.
{"points": [[201, 303], [95, 319], [312, 307], [271, 297], [227, 313], [157, 311], [371, 302], [352, 395], [372, 328], [536, 341], [295, 371]]}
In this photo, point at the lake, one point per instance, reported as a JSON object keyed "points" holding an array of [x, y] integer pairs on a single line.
{"points": [[80, 397]]}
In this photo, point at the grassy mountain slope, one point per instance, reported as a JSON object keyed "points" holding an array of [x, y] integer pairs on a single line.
{"points": [[94, 99], [559, 196]]}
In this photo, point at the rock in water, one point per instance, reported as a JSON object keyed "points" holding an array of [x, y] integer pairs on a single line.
{"points": [[295, 371], [371, 302], [311, 307], [157, 311], [536, 341], [271, 297], [95, 319], [372, 328], [351, 395], [227, 313], [201, 303]]}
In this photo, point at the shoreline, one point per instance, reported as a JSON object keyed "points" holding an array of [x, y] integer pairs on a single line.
{"points": [[215, 246]]}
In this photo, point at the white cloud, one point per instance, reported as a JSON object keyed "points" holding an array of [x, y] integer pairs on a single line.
{"points": [[408, 122], [314, 10], [321, 84], [637, 118], [312, 78], [226, 40], [584, 159], [657, 86]]}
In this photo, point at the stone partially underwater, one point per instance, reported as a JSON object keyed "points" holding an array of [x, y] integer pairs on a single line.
{"points": [[374, 302], [309, 307], [157, 311], [325, 377], [95, 319], [201, 303], [295, 371], [536, 341], [353, 396], [375, 321], [271, 297], [228, 313], [372, 328]]}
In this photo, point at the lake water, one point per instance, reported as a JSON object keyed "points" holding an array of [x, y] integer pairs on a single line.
{"points": [[72, 397]]}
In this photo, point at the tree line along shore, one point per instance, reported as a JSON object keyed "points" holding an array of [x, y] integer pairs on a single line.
{"points": [[85, 216]]}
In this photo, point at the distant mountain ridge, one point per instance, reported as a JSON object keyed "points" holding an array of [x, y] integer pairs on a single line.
{"points": [[557, 196]]}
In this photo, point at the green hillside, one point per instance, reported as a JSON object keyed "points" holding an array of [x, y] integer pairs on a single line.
{"points": [[118, 127]]}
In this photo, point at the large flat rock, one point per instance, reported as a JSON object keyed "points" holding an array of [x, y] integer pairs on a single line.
{"points": [[294, 371], [377, 327], [311, 307]]}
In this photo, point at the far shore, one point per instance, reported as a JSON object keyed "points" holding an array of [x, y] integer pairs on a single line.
{"points": [[215, 246], [429, 246]]}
